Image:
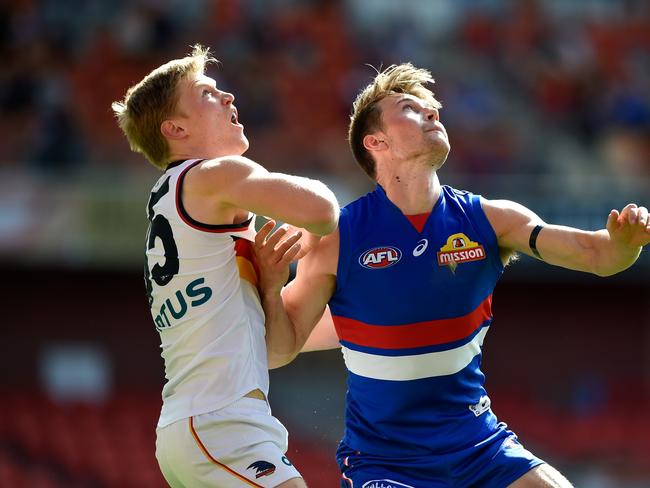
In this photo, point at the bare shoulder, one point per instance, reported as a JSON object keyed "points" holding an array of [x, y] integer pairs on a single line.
{"points": [[206, 188], [504, 215], [501, 207], [213, 175], [315, 282], [230, 163], [324, 257]]}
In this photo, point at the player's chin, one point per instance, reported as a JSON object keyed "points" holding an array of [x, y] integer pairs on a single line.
{"points": [[243, 144], [440, 153], [440, 142], [438, 137]]}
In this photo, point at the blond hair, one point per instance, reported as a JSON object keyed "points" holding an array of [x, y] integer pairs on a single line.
{"points": [[147, 104], [366, 114]]}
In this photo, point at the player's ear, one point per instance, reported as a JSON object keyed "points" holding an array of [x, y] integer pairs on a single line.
{"points": [[375, 142], [171, 129]]}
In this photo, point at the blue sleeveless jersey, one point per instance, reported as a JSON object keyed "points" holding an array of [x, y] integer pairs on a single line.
{"points": [[411, 310]]}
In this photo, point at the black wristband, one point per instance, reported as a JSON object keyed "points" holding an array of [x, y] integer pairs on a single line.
{"points": [[532, 242]]}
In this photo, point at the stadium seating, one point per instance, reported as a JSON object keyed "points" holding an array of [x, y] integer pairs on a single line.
{"points": [[47, 444]]}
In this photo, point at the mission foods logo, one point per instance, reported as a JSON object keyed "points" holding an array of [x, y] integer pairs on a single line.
{"points": [[380, 257], [459, 249]]}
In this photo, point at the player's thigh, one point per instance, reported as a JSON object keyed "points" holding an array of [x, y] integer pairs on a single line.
{"points": [[293, 483], [239, 445], [542, 476]]}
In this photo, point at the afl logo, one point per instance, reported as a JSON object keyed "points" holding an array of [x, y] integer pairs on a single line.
{"points": [[380, 257]]}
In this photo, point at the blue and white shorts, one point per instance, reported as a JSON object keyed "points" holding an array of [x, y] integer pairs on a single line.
{"points": [[495, 462]]}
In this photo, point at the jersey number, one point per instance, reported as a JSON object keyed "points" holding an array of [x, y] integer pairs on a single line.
{"points": [[160, 228]]}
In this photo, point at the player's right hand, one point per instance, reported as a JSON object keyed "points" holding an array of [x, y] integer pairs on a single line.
{"points": [[274, 252], [307, 242]]}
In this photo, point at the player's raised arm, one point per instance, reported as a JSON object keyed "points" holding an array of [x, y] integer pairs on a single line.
{"points": [[603, 252], [239, 182], [292, 314], [323, 336]]}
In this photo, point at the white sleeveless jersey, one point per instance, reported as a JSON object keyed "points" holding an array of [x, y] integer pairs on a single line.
{"points": [[201, 285]]}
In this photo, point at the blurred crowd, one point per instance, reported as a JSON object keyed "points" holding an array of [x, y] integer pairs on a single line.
{"points": [[528, 86]]}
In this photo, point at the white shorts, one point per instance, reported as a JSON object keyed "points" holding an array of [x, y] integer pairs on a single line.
{"points": [[241, 445]]}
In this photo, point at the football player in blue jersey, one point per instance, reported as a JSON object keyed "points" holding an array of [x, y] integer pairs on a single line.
{"points": [[408, 277]]}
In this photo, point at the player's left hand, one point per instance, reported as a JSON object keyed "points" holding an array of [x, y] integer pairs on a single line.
{"points": [[274, 252], [630, 227]]}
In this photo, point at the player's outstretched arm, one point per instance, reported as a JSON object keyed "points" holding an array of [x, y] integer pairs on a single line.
{"points": [[274, 252], [603, 252], [239, 182], [292, 314]]}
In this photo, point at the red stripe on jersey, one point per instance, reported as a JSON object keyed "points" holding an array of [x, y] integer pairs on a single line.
{"points": [[419, 334], [244, 249]]}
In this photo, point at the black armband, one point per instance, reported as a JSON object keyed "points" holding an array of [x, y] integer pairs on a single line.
{"points": [[532, 242]]}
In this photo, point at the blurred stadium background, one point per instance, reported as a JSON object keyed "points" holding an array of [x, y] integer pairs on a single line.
{"points": [[546, 102]]}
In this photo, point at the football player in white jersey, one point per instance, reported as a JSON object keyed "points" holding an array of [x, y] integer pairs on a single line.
{"points": [[215, 427]]}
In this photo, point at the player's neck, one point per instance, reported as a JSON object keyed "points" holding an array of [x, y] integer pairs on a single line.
{"points": [[413, 192], [180, 155], [196, 151]]}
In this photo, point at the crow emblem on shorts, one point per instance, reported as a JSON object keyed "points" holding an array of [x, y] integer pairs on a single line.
{"points": [[262, 468]]}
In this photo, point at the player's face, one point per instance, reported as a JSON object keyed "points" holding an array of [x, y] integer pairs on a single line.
{"points": [[209, 118], [412, 129]]}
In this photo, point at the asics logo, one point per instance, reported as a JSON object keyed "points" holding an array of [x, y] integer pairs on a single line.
{"points": [[420, 248]]}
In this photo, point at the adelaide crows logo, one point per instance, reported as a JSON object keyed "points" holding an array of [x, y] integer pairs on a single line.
{"points": [[262, 468]]}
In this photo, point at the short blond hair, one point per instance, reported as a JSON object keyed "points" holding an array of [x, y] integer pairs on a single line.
{"points": [[366, 114], [147, 104]]}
